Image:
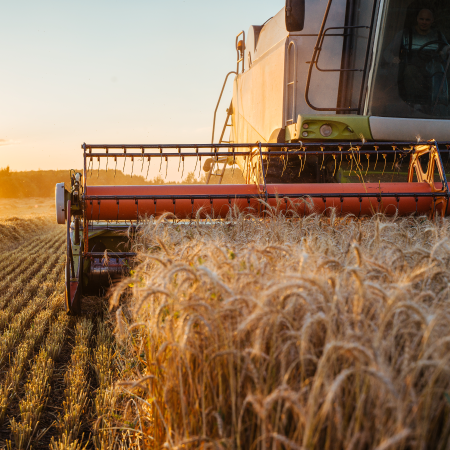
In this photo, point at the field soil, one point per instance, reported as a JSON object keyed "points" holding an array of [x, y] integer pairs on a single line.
{"points": [[283, 333], [56, 371], [27, 207]]}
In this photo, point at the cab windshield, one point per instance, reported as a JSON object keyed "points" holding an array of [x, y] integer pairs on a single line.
{"points": [[412, 64]]}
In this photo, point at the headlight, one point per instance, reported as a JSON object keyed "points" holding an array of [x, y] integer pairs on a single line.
{"points": [[326, 130]]}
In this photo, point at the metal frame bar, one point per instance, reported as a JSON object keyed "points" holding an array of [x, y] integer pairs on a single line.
{"points": [[218, 103], [321, 44], [110, 254], [316, 54], [277, 150], [295, 145], [267, 195], [239, 59]]}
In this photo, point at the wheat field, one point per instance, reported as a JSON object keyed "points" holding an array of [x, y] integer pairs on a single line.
{"points": [[49, 366], [283, 333], [290, 333]]}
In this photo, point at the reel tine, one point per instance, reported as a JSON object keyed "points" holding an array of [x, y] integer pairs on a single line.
{"points": [[304, 159], [124, 159], [107, 160], [115, 169], [160, 164], [98, 170], [368, 163], [323, 158], [200, 165], [234, 160], [394, 147], [148, 168], [182, 170], [376, 161], [246, 161], [340, 162], [143, 159], [179, 162], [132, 166], [284, 162], [196, 159], [385, 161], [167, 166]]}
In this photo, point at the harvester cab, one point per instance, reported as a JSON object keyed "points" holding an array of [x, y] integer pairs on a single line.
{"points": [[339, 104]]}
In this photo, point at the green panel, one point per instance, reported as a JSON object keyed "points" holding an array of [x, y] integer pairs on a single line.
{"points": [[345, 128]]}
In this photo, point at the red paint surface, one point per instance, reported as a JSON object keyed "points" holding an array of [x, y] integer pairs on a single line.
{"points": [[220, 207]]}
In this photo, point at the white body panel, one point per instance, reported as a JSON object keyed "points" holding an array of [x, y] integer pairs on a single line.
{"points": [[270, 94], [260, 94], [397, 129]]}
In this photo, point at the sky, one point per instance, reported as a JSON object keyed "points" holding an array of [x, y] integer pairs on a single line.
{"points": [[114, 72]]}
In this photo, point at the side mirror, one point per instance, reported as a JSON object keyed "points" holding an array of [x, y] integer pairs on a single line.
{"points": [[295, 15]]}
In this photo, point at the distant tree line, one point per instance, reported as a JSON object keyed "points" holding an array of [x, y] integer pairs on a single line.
{"points": [[41, 183]]}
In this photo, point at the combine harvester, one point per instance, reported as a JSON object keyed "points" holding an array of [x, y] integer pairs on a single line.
{"points": [[342, 104]]}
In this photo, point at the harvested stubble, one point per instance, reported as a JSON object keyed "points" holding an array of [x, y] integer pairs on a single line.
{"points": [[308, 333], [27, 251], [15, 230], [20, 322], [37, 388], [42, 284], [76, 392], [33, 336], [16, 282], [104, 400]]}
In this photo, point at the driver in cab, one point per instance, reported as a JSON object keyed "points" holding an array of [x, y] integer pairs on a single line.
{"points": [[422, 60]]}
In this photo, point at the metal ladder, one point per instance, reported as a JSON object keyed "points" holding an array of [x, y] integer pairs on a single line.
{"points": [[220, 171]]}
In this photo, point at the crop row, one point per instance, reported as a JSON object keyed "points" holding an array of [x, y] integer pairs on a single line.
{"points": [[27, 252], [105, 397], [37, 388], [20, 321], [42, 283], [76, 392], [13, 232], [14, 284], [33, 337]]}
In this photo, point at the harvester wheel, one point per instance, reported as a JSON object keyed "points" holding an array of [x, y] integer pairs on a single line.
{"points": [[72, 288]]}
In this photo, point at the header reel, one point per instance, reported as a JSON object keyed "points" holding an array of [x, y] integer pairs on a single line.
{"points": [[99, 218]]}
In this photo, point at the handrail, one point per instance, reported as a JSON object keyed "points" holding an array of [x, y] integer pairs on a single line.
{"points": [[315, 57], [239, 59], [218, 103]]}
